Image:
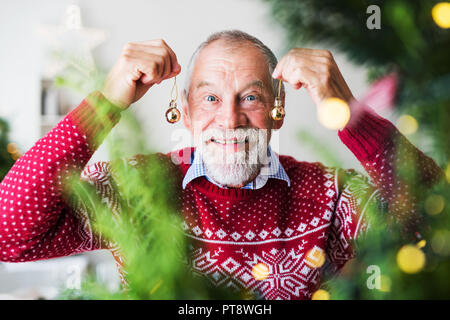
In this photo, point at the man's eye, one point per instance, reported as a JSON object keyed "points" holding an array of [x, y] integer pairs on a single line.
{"points": [[211, 98], [250, 98]]}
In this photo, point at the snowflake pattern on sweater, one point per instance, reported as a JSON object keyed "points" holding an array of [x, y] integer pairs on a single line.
{"points": [[289, 231]]}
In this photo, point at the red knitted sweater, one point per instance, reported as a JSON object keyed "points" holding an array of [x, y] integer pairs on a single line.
{"points": [[271, 241]]}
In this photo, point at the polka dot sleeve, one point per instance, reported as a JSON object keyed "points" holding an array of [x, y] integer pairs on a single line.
{"points": [[36, 222]]}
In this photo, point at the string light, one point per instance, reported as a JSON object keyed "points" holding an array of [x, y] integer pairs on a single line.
{"points": [[410, 259], [333, 113], [156, 287], [407, 124], [421, 244], [260, 271], [441, 14], [321, 295], [434, 204]]}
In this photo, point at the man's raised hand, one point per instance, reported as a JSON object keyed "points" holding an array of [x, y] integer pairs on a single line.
{"points": [[316, 71], [139, 67]]}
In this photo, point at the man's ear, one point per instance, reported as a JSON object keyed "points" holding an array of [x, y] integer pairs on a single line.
{"points": [[184, 106]]}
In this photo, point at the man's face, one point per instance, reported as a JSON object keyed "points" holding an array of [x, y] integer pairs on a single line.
{"points": [[229, 103]]}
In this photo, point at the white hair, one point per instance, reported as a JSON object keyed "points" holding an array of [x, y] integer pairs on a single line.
{"points": [[233, 36]]}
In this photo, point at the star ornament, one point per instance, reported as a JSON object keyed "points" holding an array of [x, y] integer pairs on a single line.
{"points": [[70, 43]]}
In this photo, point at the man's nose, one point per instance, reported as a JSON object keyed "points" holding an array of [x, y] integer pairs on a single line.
{"points": [[231, 116]]}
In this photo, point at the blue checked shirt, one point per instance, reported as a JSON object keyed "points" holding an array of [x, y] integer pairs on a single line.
{"points": [[273, 169]]}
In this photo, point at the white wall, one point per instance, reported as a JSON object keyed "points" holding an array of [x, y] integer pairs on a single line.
{"points": [[183, 24]]}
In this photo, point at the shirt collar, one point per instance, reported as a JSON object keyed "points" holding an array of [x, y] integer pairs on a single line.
{"points": [[273, 169]]}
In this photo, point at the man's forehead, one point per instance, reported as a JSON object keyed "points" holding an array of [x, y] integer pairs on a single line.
{"points": [[221, 55], [241, 64]]}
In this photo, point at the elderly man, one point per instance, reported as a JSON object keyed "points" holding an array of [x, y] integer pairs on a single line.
{"points": [[259, 221]]}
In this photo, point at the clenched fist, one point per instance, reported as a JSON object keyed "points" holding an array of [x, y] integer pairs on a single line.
{"points": [[139, 67], [316, 71]]}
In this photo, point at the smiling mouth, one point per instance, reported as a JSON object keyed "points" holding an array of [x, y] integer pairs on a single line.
{"points": [[234, 141]]}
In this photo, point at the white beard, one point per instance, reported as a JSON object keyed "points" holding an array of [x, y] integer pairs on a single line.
{"points": [[234, 168]]}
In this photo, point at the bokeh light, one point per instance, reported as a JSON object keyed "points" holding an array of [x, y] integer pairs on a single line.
{"points": [[11, 147], [440, 243], [333, 113], [407, 124], [260, 271], [16, 156], [434, 204], [321, 295], [315, 257], [410, 259], [385, 283], [447, 172], [248, 295], [441, 14]]}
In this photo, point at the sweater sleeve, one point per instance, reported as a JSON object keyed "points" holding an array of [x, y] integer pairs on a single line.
{"points": [[36, 220], [397, 169], [397, 172]]}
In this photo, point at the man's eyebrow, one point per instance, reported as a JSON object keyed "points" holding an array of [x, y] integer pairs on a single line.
{"points": [[203, 84], [255, 83]]}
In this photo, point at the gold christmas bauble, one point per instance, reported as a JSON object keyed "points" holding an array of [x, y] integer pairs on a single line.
{"points": [[277, 113], [173, 115]]}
